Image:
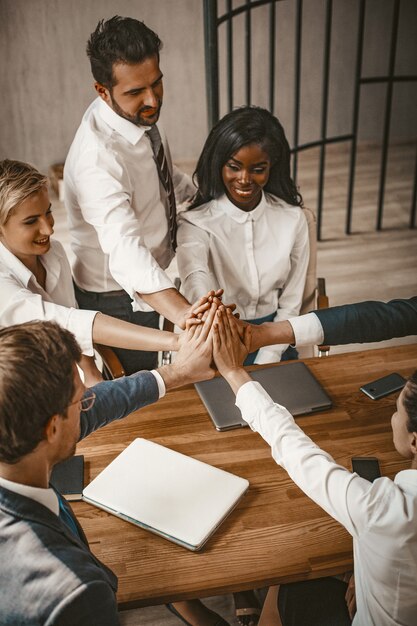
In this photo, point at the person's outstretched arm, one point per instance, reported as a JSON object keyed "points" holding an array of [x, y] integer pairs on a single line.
{"points": [[351, 500], [118, 398], [368, 321]]}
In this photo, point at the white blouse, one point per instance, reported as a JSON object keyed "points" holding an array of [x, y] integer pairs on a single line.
{"points": [[22, 299], [259, 258], [380, 516]]}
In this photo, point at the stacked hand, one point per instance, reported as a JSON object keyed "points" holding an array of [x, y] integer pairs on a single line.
{"points": [[214, 336]]}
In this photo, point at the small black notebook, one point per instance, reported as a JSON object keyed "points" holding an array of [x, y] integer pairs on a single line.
{"points": [[68, 477]]}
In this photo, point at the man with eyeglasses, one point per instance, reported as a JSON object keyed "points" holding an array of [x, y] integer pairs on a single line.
{"points": [[48, 575]]}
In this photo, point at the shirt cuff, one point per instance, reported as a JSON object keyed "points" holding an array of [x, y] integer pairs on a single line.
{"points": [[270, 354], [307, 329], [160, 383], [252, 399], [80, 323]]}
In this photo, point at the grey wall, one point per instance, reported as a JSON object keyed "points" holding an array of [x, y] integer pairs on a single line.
{"points": [[46, 84]]}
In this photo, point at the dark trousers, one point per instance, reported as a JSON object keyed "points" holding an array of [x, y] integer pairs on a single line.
{"points": [[120, 306], [318, 602]]}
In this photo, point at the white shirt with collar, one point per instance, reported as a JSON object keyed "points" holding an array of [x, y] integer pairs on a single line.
{"points": [[258, 257], [118, 222], [23, 299], [381, 516]]}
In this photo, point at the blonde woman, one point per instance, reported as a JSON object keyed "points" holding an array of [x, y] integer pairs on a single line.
{"points": [[35, 276]]}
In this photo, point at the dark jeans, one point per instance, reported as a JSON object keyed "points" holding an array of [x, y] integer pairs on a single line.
{"points": [[120, 306], [318, 602]]}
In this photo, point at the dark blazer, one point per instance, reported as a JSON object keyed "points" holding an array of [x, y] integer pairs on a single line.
{"points": [[48, 576], [368, 321]]}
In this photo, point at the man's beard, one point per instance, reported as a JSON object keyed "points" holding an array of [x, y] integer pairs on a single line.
{"points": [[137, 119]]}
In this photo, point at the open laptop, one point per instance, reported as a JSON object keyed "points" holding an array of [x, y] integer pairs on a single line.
{"points": [[291, 385], [167, 493]]}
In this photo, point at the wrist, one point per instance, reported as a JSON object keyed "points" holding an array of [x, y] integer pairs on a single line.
{"points": [[175, 342], [172, 375], [182, 317], [236, 377]]}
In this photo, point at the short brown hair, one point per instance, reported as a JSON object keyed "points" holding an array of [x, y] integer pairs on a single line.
{"points": [[18, 180], [36, 382]]}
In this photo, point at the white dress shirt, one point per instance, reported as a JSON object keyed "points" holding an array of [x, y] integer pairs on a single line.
{"points": [[258, 257], [23, 299], [118, 222], [381, 516], [47, 497]]}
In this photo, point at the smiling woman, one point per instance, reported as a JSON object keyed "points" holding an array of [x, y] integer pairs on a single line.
{"points": [[35, 276], [245, 231]]}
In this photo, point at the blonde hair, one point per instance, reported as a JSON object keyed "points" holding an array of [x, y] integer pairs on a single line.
{"points": [[18, 180]]}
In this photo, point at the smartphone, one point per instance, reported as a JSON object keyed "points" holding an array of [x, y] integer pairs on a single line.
{"points": [[383, 386], [367, 467]]}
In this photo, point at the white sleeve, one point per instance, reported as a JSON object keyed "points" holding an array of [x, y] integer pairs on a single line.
{"points": [[291, 297], [348, 498], [183, 185], [193, 261], [106, 206], [160, 383], [19, 305], [308, 330]]}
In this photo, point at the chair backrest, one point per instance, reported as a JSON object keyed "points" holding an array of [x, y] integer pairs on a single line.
{"points": [[310, 288]]}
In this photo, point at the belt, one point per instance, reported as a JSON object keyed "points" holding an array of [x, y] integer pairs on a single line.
{"points": [[104, 294]]}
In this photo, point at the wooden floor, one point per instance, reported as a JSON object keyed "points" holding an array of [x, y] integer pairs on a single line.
{"points": [[362, 266]]}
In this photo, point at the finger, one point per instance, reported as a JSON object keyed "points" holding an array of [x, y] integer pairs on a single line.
{"points": [[231, 306], [221, 327], [208, 322], [247, 337], [192, 321], [216, 338], [200, 307], [227, 327]]}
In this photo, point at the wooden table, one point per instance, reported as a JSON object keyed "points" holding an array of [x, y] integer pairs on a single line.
{"points": [[276, 534]]}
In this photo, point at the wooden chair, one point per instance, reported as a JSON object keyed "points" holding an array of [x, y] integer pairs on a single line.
{"points": [[112, 368], [314, 296]]}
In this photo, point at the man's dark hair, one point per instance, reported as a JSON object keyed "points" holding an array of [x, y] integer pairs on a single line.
{"points": [[119, 40], [36, 382], [242, 127], [410, 402]]}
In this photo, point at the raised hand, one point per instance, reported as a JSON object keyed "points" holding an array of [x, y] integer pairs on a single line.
{"points": [[193, 360], [230, 342]]}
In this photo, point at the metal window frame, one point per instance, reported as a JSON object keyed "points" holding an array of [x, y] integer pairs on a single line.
{"points": [[212, 21]]}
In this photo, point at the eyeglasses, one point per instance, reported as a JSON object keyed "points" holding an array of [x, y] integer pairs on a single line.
{"points": [[87, 401]]}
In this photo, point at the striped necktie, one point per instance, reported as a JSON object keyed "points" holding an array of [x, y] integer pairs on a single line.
{"points": [[166, 180]]}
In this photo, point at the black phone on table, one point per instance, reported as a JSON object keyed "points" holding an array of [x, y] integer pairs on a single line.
{"points": [[367, 467], [383, 386]]}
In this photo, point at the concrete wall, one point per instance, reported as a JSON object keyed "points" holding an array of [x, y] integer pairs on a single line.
{"points": [[46, 83]]}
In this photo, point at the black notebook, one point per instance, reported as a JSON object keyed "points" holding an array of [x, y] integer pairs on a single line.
{"points": [[291, 384], [68, 477]]}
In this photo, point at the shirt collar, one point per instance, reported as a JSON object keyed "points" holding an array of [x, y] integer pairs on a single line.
{"points": [[47, 497], [130, 131], [19, 269], [237, 214]]}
